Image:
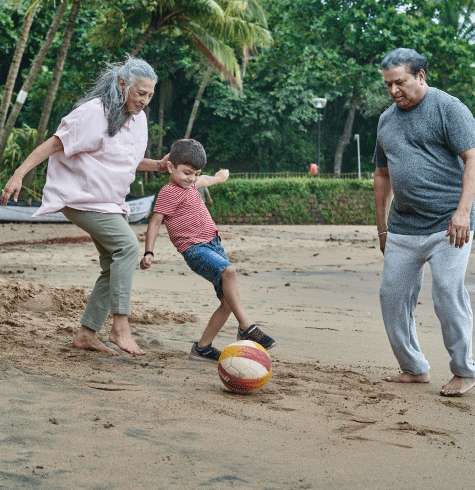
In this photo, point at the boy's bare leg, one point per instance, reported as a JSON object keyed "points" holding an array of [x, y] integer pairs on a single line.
{"points": [[215, 324], [87, 339], [231, 295], [122, 336]]}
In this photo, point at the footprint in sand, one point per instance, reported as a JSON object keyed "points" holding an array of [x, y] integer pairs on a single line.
{"points": [[462, 407]]}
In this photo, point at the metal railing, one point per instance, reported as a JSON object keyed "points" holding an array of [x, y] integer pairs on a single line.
{"points": [[270, 175]]}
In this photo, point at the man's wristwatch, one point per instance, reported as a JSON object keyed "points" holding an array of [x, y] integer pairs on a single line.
{"points": [[148, 252]]}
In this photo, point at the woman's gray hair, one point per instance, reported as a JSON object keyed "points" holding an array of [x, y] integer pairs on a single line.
{"points": [[405, 56], [107, 89]]}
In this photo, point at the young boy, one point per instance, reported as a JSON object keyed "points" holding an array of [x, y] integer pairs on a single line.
{"points": [[193, 232]]}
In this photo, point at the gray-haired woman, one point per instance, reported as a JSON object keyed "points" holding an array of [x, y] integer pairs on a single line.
{"points": [[93, 157]]}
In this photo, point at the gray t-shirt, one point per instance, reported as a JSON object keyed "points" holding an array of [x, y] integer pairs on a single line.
{"points": [[420, 147]]}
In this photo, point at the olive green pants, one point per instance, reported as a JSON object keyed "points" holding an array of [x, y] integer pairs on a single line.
{"points": [[118, 256]]}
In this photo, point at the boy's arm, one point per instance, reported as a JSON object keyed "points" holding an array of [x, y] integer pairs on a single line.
{"points": [[150, 238], [218, 178]]}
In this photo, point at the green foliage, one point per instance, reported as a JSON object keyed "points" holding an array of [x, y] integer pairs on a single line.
{"points": [[330, 49], [321, 48], [218, 29], [19, 144], [295, 200]]}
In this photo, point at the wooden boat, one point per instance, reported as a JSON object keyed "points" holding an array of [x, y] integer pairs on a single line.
{"points": [[140, 209]]}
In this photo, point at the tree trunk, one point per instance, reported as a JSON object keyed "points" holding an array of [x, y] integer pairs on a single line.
{"points": [[143, 40], [31, 77], [196, 104], [54, 85], [15, 65], [156, 23], [344, 139], [58, 72], [161, 118]]}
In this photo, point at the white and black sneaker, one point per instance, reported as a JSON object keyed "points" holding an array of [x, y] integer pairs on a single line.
{"points": [[207, 353], [255, 334]]}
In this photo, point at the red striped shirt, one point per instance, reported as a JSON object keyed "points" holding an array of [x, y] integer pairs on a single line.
{"points": [[185, 215]]}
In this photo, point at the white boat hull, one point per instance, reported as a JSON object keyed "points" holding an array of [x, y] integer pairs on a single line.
{"points": [[139, 210]]}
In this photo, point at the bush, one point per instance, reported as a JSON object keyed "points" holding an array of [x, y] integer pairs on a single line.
{"points": [[293, 200]]}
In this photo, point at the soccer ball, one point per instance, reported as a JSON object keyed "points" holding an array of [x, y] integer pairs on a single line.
{"points": [[244, 366]]}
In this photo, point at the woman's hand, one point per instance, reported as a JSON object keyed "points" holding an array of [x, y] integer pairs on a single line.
{"points": [[163, 163], [12, 188], [38, 155]]}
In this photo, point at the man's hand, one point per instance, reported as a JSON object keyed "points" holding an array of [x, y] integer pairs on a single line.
{"points": [[146, 262], [222, 175], [12, 188], [458, 230]]}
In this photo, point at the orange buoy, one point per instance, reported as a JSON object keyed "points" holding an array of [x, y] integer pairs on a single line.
{"points": [[313, 169]]}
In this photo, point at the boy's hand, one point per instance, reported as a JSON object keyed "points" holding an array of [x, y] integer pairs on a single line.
{"points": [[146, 262], [222, 175]]}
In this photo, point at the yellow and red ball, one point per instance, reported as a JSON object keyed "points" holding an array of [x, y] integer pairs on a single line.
{"points": [[244, 366]]}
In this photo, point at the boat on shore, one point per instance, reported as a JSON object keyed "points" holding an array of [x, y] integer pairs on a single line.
{"points": [[140, 208]]}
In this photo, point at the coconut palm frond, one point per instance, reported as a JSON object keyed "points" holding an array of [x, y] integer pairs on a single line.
{"points": [[221, 56], [250, 10], [195, 8], [244, 33]]}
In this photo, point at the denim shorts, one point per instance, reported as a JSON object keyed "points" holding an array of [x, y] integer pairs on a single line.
{"points": [[209, 261]]}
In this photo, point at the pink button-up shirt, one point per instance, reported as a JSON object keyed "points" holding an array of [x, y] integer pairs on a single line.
{"points": [[94, 172]]}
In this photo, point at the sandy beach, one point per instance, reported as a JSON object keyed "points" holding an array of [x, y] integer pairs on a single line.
{"points": [[80, 420]]}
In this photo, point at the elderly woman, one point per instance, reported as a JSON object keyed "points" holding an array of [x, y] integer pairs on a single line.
{"points": [[93, 157]]}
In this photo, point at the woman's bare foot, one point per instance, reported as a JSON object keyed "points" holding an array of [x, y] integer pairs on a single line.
{"points": [[122, 337], [87, 339], [457, 386], [408, 378]]}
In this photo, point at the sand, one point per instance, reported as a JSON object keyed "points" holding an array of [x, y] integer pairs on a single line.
{"points": [[72, 419]]}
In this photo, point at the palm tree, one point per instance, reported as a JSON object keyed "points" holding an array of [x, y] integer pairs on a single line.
{"points": [[58, 71], [32, 74], [211, 25], [196, 104], [54, 85], [244, 31], [220, 30], [16, 60]]}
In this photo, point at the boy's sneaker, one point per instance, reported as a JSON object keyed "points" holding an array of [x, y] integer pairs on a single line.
{"points": [[255, 334], [208, 353]]}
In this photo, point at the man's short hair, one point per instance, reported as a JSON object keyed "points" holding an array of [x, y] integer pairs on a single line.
{"points": [[410, 58], [188, 152]]}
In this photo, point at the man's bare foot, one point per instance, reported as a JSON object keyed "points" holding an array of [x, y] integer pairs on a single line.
{"points": [[408, 378], [87, 339], [457, 386], [122, 337]]}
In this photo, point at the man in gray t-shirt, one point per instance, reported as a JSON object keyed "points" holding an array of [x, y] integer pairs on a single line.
{"points": [[425, 159]]}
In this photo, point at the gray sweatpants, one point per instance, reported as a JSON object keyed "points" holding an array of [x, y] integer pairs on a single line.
{"points": [[404, 258], [118, 256]]}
